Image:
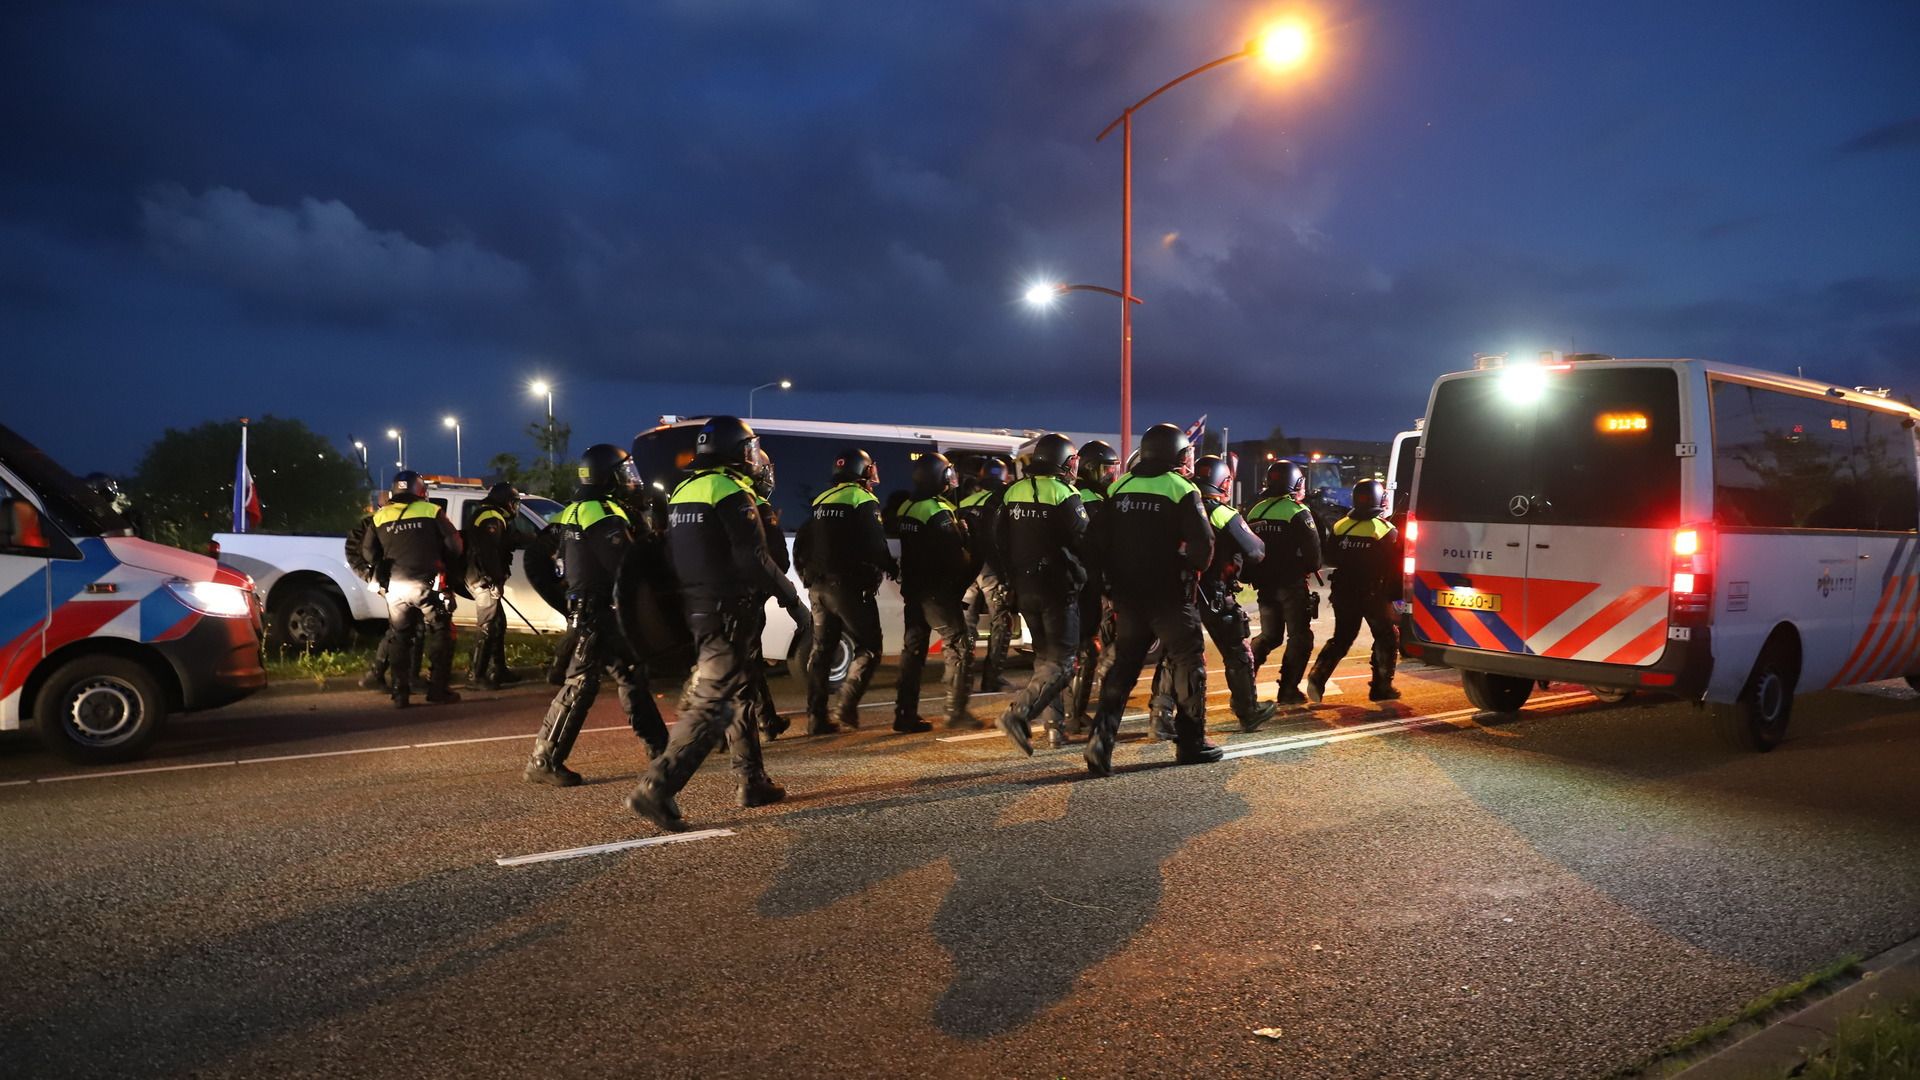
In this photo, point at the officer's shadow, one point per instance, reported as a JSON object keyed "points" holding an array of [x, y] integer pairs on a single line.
{"points": [[1033, 904]]}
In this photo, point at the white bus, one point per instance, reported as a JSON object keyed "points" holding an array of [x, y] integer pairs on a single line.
{"points": [[1684, 527]]}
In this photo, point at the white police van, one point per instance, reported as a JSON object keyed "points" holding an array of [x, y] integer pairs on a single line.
{"points": [[1727, 535]]}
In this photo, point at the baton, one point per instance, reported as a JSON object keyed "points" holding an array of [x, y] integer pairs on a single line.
{"points": [[516, 611]]}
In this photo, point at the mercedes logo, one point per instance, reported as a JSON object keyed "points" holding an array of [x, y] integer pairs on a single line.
{"points": [[1519, 505]]}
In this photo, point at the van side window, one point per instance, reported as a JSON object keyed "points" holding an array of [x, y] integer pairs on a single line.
{"points": [[1888, 496], [1788, 461], [22, 530]]}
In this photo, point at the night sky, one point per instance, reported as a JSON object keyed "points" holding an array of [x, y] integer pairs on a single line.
{"points": [[369, 214]]}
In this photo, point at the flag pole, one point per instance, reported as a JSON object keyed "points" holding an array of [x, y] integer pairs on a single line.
{"points": [[244, 480]]}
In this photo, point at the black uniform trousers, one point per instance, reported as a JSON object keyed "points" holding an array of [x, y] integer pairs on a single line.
{"points": [[1092, 656], [991, 598], [1286, 615], [926, 615], [724, 642], [490, 631], [1350, 610], [1053, 621], [842, 609], [600, 651], [1177, 624], [412, 606], [1227, 626], [761, 711]]}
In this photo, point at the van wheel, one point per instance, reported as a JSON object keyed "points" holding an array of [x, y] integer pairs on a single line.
{"points": [[1758, 721], [308, 618], [1609, 696], [1496, 693], [1913, 682], [800, 654], [94, 710]]}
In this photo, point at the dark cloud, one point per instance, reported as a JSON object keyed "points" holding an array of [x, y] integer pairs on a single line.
{"points": [[1899, 135]]}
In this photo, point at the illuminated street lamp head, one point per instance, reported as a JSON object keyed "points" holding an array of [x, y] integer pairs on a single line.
{"points": [[1042, 294], [450, 422], [1283, 45], [539, 387], [786, 384], [393, 433], [358, 445]]}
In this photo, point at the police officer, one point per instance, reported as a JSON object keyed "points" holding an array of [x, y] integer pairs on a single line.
{"points": [[763, 713], [1365, 556], [1287, 604], [718, 547], [371, 573], [412, 542], [1099, 467], [596, 534], [490, 540], [990, 598], [1153, 541], [1042, 527], [1235, 547], [936, 568], [842, 553]]}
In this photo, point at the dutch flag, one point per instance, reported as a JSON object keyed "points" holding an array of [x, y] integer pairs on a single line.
{"points": [[246, 498]]}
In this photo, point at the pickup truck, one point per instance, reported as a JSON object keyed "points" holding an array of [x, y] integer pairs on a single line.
{"points": [[313, 598]]}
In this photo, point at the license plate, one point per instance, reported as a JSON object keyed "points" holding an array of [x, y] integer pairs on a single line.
{"points": [[1466, 600]]}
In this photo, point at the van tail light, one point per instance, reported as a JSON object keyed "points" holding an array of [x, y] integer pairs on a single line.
{"points": [[1410, 534], [1692, 584]]}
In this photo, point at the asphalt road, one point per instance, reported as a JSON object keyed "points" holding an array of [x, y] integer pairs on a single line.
{"points": [[309, 885]]}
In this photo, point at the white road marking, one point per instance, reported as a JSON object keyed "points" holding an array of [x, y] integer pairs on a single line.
{"points": [[618, 845], [131, 772], [1308, 740]]}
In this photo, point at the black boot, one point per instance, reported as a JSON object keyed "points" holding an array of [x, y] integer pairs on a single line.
{"points": [[760, 790], [820, 725], [545, 769], [1290, 697], [1099, 751], [1017, 730], [1259, 714], [910, 725], [441, 695], [1190, 745], [374, 679], [1382, 692], [650, 802]]}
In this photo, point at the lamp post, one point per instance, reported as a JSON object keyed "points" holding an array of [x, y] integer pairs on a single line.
{"points": [[784, 384], [459, 463], [1283, 46], [399, 447], [541, 387]]}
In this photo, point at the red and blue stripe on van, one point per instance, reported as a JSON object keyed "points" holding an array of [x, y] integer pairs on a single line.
{"points": [[1539, 625], [1890, 643]]}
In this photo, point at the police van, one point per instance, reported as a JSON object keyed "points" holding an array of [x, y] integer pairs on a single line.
{"points": [[103, 634], [1684, 527]]}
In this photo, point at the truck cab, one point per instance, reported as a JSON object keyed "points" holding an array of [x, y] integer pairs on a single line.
{"points": [[103, 635]]}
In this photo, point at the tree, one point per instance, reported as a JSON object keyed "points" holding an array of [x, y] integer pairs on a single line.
{"points": [[552, 473], [505, 468], [185, 481]]}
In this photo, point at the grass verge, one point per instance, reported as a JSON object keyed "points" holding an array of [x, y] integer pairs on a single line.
{"points": [[1676, 1055], [523, 651], [1881, 1045]]}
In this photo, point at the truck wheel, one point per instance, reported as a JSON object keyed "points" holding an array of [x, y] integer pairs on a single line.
{"points": [[99, 709], [1758, 721], [308, 618], [1502, 694]]}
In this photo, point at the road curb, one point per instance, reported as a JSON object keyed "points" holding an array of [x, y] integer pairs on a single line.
{"points": [[335, 684], [1789, 1041]]}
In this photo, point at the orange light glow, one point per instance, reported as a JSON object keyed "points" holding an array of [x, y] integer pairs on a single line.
{"points": [[1283, 45]]}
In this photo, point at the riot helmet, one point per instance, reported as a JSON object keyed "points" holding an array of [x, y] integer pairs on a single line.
{"points": [[933, 475], [1286, 478], [1168, 449], [409, 483], [855, 466], [1369, 497], [1214, 477], [728, 441], [1099, 464], [605, 465], [503, 495]]}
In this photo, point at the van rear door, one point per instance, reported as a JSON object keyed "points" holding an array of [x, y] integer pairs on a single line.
{"points": [[1548, 500], [24, 604]]}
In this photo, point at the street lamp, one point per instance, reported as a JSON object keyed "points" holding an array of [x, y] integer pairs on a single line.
{"points": [[1283, 45], [784, 384], [459, 463], [539, 387], [399, 447], [1042, 294]]}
